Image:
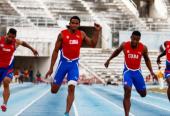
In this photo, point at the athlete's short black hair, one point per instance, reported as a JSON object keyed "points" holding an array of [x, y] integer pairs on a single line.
{"points": [[137, 33], [12, 31], [75, 17]]}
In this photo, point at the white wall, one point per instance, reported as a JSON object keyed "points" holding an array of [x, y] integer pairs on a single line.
{"points": [[158, 9], [152, 40]]}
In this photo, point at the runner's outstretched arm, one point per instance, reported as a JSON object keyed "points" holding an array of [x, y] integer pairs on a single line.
{"points": [[54, 55], [25, 44], [92, 42], [148, 62], [114, 54]]}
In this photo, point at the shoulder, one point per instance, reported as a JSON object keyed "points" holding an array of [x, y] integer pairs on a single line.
{"points": [[18, 42], [83, 34], [145, 49], [141, 45], [125, 43], [63, 32], [60, 37], [122, 45]]}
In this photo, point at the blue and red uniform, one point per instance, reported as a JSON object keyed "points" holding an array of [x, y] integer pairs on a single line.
{"points": [[68, 64], [132, 71], [6, 58], [167, 69]]}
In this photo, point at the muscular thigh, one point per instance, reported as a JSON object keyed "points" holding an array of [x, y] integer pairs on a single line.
{"points": [[138, 81], [127, 79], [60, 73]]}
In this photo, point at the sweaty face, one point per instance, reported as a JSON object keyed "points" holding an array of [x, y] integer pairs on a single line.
{"points": [[10, 37], [74, 24], [135, 40]]}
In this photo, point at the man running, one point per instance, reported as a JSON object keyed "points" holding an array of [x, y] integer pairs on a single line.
{"points": [[8, 45], [166, 52], [69, 42], [133, 52]]}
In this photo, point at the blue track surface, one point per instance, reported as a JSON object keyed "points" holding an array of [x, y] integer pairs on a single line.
{"points": [[96, 100]]}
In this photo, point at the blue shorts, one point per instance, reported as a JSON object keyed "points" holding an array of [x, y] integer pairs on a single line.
{"points": [[167, 70], [6, 72], [134, 77], [67, 67]]}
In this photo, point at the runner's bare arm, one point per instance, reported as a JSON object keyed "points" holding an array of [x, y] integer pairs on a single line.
{"points": [[148, 62], [163, 53], [55, 54], [114, 54], [25, 44], [92, 42]]}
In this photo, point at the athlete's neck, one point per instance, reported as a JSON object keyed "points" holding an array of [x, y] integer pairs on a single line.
{"points": [[134, 47], [6, 41], [72, 31]]}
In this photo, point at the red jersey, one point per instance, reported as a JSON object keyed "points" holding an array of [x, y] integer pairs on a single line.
{"points": [[133, 56], [71, 44], [6, 52], [167, 48]]}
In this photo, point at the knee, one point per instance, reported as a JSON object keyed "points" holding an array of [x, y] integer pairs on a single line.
{"points": [[168, 82], [6, 83], [168, 85], [143, 94], [127, 92], [54, 89]]}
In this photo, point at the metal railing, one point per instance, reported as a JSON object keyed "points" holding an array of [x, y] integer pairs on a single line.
{"points": [[82, 17], [8, 20], [116, 25]]}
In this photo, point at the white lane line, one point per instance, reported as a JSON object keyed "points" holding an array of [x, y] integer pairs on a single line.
{"points": [[142, 101], [75, 109], [22, 110], [108, 101], [158, 98], [151, 96]]}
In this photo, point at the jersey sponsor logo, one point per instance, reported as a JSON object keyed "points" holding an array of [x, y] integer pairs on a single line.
{"points": [[139, 53], [67, 37], [73, 42], [133, 56], [6, 50], [77, 36], [2, 45]]}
